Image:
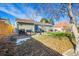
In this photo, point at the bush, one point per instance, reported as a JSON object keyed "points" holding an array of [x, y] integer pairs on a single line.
{"points": [[61, 34]]}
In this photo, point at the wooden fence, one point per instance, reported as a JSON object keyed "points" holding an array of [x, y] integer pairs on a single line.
{"points": [[5, 29]]}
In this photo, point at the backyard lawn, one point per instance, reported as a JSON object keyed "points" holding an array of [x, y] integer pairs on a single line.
{"points": [[57, 41], [50, 44]]}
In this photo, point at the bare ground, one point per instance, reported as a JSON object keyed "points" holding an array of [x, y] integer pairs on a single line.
{"points": [[38, 46], [35, 48]]}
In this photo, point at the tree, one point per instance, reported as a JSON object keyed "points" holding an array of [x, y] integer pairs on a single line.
{"points": [[43, 20], [73, 27], [55, 11], [51, 21], [67, 10], [51, 12]]}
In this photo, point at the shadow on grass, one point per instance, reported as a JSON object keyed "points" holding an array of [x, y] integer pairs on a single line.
{"points": [[74, 45], [33, 47]]}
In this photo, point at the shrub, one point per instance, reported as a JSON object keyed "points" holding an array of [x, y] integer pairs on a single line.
{"points": [[61, 34]]}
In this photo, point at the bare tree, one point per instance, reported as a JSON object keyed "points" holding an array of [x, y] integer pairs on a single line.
{"points": [[73, 27], [65, 9]]}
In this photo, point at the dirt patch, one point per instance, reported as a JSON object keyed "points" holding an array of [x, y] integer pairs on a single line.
{"points": [[35, 48], [30, 47]]}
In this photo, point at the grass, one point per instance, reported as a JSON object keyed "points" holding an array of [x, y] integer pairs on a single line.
{"points": [[33, 47], [57, 41], [60, 34]]}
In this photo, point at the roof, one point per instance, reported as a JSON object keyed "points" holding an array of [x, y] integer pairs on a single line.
{"points": [[32, 21], [25, 20], [61, 24], [45, 24], [3, 19]]}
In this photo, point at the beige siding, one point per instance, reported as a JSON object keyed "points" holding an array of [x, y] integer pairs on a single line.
{"points": [[47, 28], [26, 26]]}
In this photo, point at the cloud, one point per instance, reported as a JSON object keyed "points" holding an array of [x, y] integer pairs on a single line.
{"points": [[38, 18], [10, 9], [13, 13], [23, 12]]}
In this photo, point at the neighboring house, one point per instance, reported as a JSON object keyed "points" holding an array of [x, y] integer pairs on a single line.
{"points": [[61, 26], [7, 21], [45, 26], [29, 24], [6, 29], [26, 24]]}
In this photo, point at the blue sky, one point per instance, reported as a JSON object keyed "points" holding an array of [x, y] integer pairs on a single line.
{"points": [[26, 11]]}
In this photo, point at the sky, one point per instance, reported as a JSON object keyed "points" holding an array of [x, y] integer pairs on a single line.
{"points": [[27, 11]]}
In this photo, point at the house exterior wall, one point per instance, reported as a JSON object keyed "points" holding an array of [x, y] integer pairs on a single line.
{"points": [[47, 28], [25, 26], [31, 26]]}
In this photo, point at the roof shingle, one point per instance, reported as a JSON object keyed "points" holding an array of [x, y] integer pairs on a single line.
{"points": [[62, 24]]}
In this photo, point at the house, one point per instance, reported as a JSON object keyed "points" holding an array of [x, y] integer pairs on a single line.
{"points": [[44, 26], [61, 26], [29, 24], [5, 28], [26, 24]]}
